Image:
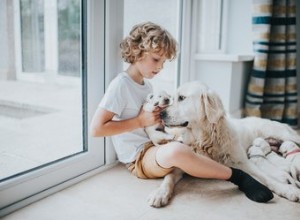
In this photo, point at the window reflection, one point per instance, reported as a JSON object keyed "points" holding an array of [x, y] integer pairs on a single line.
{"points": [[32, 35], [69, 37]]}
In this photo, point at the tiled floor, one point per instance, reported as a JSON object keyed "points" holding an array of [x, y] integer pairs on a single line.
{"points": [[116, 194]]}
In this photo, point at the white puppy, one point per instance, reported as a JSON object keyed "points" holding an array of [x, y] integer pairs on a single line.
{"points": [[156, 132], [257, 156], [291, 152], [271, 156]]}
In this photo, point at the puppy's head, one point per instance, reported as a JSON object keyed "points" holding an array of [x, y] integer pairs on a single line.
{"points": [[260, 142], [160, 99], [263, 145], [287, 147], [254, 150]]}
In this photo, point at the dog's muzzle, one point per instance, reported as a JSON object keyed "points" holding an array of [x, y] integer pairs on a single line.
{"points": [[170, 122]]}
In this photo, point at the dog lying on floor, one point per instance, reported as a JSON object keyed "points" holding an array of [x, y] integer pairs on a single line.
{"points": [[291, 152], [156, 132], [222, 138]]}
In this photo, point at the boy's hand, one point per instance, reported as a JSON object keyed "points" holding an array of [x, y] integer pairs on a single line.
{"points": [[149, 118]]}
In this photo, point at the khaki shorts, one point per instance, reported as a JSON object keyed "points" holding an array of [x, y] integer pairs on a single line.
{"points": [[145, 165]]}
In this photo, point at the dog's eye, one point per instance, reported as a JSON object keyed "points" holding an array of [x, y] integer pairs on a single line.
{"points": [[181, 98]]}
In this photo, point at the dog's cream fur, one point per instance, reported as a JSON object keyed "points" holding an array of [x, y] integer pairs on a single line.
{"points": [[156, 132], [291, 152], [258, 157], [223, 138]]}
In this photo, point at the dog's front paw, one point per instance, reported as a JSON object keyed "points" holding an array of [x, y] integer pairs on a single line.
{"points": [[296, 194], [290, 192], [159, 198]]}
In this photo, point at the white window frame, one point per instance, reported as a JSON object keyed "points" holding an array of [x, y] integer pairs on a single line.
{"points": [[210, 39], [22, 190], [190, 52]]}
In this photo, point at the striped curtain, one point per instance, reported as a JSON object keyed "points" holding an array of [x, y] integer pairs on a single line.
{"points": [[272, 88]]}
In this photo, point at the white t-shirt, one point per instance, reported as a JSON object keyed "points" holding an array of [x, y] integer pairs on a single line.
{"points": [[124, 97]]}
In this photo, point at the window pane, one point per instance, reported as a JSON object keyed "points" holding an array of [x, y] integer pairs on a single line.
{"points": [[69, 37], [164, 13], [209, 16], [40, 121]]}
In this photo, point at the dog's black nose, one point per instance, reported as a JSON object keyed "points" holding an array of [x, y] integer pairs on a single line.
{"points": [[163, 114]]}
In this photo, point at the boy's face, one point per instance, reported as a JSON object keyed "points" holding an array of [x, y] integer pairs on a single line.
{"points": [[151, 64]]}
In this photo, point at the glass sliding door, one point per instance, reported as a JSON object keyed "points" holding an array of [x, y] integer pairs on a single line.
{"points": [[48, 93]]}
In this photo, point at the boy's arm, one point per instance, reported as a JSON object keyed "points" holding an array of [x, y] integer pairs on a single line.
{"points": [[103, 125]]}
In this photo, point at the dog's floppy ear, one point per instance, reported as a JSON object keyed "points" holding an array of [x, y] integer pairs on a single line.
{"points": [[213, 106]]}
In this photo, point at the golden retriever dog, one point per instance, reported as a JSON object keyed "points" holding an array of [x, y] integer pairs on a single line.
{"points": [[221, 137]]}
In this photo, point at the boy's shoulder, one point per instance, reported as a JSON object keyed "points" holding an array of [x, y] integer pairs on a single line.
{"points": [[121, 77], [123, 80], [119, 80]]}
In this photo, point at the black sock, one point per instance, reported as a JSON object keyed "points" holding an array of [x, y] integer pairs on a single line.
{"points": [[252, 188]]}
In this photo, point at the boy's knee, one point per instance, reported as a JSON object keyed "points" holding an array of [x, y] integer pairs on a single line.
{"points": [[178, 148], [172, 151]]}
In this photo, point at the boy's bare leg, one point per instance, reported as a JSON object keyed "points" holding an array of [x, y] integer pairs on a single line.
{"points": [[178, 155]]}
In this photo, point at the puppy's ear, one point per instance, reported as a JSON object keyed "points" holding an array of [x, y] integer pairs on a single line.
{"points": [[213, 106], [149, 97]]}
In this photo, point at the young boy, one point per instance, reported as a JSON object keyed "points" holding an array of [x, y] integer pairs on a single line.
{"points": [[120, 115]]}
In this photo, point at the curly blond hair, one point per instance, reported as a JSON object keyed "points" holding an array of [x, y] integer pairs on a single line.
{"points": [[147, 37]]}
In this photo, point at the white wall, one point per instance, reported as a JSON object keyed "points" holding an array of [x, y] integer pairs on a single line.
{"points": [[226, 77], [239, 29]]}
